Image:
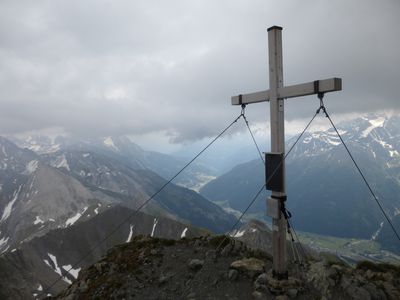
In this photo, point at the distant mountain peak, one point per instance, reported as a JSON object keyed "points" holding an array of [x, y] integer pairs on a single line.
{"points": [[375, 123], [108, 141], [40, 144]]}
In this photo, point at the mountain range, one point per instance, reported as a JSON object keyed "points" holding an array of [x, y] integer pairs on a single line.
{"points": [[46, 190], [57, 203], [326, 195], [124, 150]]}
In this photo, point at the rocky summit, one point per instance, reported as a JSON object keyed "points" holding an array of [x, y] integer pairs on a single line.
{"points": [[215, 267]]}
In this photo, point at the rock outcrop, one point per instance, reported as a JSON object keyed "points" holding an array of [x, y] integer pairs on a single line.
{"points": [[215, 267]]}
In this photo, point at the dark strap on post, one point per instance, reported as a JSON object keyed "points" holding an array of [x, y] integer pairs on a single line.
{"points": [[283, 198], [316, 86]]}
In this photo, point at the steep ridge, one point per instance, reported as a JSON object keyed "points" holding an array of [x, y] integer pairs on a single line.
{"points": [[325, 193], [255, 234], [48, 200], [106, 175], [29, 270]]}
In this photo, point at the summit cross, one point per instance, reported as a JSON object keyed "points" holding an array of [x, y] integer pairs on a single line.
{"points": [[276, 95]]}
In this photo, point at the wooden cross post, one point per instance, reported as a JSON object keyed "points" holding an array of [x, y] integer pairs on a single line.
{"points": [[276, 95]]}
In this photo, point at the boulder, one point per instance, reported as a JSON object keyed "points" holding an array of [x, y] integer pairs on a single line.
{"points": [[196, 264], [259, 296], [252, 266]]}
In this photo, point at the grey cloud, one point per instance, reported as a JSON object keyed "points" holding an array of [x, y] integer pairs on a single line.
{"points": [[136, 67]]}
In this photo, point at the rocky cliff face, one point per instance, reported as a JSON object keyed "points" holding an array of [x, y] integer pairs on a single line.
{"points": [[149, 268], [35, 197]]}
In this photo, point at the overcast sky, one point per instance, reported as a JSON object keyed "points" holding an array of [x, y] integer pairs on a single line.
{"points": [[167, 69]]}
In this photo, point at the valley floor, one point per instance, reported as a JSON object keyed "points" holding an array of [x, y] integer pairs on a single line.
{"points": [[350, 250]]}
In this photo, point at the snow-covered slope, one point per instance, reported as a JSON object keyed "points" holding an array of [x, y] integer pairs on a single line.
{"points": [[375, 135], [35, 197], [40, 143]]}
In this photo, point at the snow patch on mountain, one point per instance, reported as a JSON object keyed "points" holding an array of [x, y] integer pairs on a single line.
{"points": [[44, 150], [375, 132], [376, 233], [31, 167], [53, 148], [60, 162], [110, 143], [9, 206], [3, 242], [239, 233], [4, 151], [184, 233], [38, 220], [333, 142], [56, 268], [40, 144], [378, 122], [32, 181], [72, 220], [316, 143], [130, 234], [154, 227], [72, 271], [383, 144], [96, 210]]}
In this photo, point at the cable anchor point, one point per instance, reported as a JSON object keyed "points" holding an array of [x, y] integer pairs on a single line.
{"points": [[243, 109], [321, 104]]}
